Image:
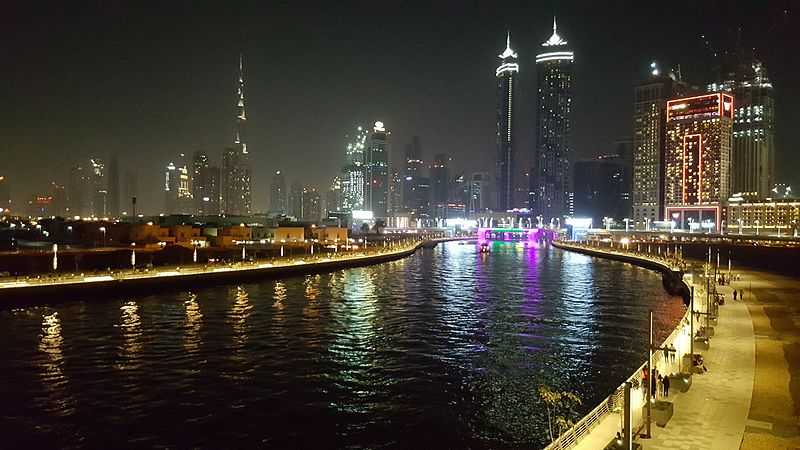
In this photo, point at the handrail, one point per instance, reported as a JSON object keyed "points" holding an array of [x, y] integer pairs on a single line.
{"points": [[612, 402]]}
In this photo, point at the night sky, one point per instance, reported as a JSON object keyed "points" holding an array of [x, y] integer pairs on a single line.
{"points": [[147, 81]]}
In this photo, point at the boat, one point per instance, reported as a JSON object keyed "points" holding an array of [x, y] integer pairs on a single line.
{"points": [[484, 248]]}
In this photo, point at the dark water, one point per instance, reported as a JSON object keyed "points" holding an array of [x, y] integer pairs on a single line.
{"points": [[443, 349]]}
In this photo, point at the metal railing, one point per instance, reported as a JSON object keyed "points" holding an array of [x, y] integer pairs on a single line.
{"points": [[613, 404]]}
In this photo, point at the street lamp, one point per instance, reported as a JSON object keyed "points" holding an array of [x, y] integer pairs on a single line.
{"points": [[758, 227], [133, 255], [691, 222], [646, 224], [627, 223], [740, 226], [103, 229], [55, 257]]}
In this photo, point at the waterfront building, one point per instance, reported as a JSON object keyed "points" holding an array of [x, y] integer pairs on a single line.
{"points": [[550, 186], [412, 197], [376, 171], [236, 171], [776, 217], [353, 171], [440, 184], [697, 160], [600, 186], [753, 152], [278, 200], [506, 77], [205, 185]]}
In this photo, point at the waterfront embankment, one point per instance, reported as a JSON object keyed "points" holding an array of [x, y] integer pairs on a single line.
{"points": [[65, 286]]}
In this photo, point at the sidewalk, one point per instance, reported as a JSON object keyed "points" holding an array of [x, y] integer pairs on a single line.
{"points": [[713, 413]]}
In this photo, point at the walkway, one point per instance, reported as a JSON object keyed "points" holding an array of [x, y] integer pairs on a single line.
{"points": [[774, 304], [713, 413]]}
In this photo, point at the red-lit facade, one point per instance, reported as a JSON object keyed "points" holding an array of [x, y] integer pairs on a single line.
{"points": [[698, 159]]}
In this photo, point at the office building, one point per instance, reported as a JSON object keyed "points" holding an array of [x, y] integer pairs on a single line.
{"points": [[376, 171], [550, 186], [600, 189], [296, 201], [506, 76], [440, 184], [753, 152], [99, 188], [334, 197], [412, 198], [278, 198], [112, 188], [697, 160], [205, 185], [480, 194], [353, 171], [395, 205], [312, 204]]}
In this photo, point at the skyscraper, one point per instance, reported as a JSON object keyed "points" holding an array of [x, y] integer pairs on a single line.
{"points": [[649, 142], [353, 171], [312, 204], [697, 177], [550, 187], [99, 188], [205, 185], [236, 171], [479, 193], [334, 196], [506, 74], [440, 184], [376, 171], [177, 187], [395, 205], [412, 172], [277, 194], [600, 185], [130, 190], [79, 192], [753, 153], [113, 187], [5, 194], [296, 201]]}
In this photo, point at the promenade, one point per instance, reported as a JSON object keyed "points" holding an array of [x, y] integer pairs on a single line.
{"points": [[750, 396]]}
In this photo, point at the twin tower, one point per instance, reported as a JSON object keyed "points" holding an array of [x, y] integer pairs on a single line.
{"points": [[549, 191]]}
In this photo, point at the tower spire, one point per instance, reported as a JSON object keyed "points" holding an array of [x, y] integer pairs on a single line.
{"points": [[241, 116]]}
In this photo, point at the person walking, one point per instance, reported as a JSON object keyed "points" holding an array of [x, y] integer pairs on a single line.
{"points": [[734, 295], [666, 387]]}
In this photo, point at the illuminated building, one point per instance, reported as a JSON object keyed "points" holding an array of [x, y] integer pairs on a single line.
{"points": [[5, 194], [353, 172], [99, 188], [205, 185], [506, 75], [775, 217], [413, 202], [550, 187], [395, 205], [479, 193], [312, 204], [334, 197], [296, 201], [236, 177], [753, 153], [177, 188], [697, 159], [649, 141], [40, 206], [376, 171], [278, 200], [439, 185]]}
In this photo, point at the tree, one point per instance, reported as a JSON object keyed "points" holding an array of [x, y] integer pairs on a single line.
{"points": [[560, 410]]}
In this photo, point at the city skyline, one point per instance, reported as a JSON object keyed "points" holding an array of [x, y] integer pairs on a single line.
{"points": [[196, 116]]}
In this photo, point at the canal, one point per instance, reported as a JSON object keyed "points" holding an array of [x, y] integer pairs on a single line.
{"points": [[445, 348]]}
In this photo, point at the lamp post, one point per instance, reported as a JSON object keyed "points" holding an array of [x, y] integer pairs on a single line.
{"points": [[133, 255], [55, 257], [740, 226], [758, 227], [646, 224], [627, 223], [103, 230]]}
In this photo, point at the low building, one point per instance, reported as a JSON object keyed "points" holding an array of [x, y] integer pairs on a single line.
{"points": [[330, 234], [780, 217]]}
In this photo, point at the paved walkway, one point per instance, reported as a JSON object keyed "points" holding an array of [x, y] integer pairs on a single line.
{"points": [[774, 304], [713, 413]]}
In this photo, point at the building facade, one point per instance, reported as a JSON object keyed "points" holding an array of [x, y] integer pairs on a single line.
{"points": [[376, 171], [440, 184], [412, 196], [753, 153], [205, 185], [697, 160], [278, 199], [600, 189], [775, 217], [550, 187], [506, 76], [353, 171]]}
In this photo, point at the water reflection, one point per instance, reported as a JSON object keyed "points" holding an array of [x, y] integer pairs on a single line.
{"points": [[238, 316], [194, 321], [52, 372], [131, 331], [279, 296]]}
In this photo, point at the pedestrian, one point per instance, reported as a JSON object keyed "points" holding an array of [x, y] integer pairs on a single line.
{"points": [[661, 385], [666, 387], [672, 353], [654, 384], [734, 295]]}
